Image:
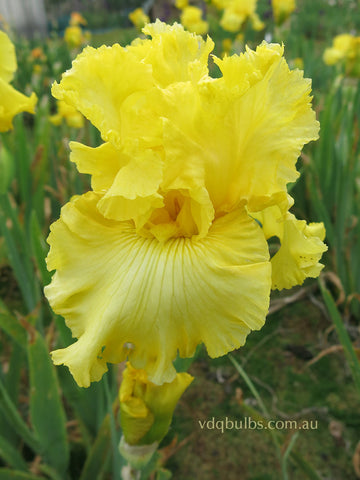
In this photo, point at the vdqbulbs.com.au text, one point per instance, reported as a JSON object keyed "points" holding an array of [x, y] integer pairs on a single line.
{"points": [[248, 423]]}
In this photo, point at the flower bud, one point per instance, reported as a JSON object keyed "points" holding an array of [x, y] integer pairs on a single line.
{"points": [[146, 409]]}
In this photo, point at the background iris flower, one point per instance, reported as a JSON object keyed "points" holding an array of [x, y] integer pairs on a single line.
{"points": [[191, 18], [12, 102], [282, 9], [345, 50]]}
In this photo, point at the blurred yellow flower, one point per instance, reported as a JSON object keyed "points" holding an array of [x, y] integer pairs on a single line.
{"points": [[236, 12], [146, 409], [297, 62], [77, 19], [68, 113], [226, 46], [75, 37], [220, 4], [346, 50], [239, 38], [139, 18], [180, 4], [37, 69], [256, 23], [191, 18], [12, 102], [169, 250], [282, 9], [332, 56]]}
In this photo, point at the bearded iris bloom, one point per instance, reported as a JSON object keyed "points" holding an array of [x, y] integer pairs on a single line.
{"points": [[169, 249], [12, 102]]}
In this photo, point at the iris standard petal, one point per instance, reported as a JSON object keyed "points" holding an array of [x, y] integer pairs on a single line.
{"points": [[129, 179], [102, 163], [126, 295], [235, 137], [134, 193], [174, 54], [98, 83], [269, 129], [240, 136]]}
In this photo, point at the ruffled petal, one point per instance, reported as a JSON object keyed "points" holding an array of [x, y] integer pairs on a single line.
{"points": [[270, 129], [102, 163], [301, 247], [128, 179], [272, 219], [174, 54], [235, 138], [99, 82], [134, 193], [299, 254], [126, 295], [240, 135]]}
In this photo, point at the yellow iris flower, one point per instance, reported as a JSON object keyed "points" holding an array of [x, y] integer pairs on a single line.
{"points": [[139, 18], [282, 9], [181, 4], [12, 102], [169, 249], [191, 18], [236, 12], [75, 37], [346, 50]]}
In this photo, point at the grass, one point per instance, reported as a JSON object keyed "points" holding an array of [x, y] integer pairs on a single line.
{"points": [[290, 389]]}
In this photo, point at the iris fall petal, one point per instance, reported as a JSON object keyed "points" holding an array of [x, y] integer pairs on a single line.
{"points": [[117, 289]]}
